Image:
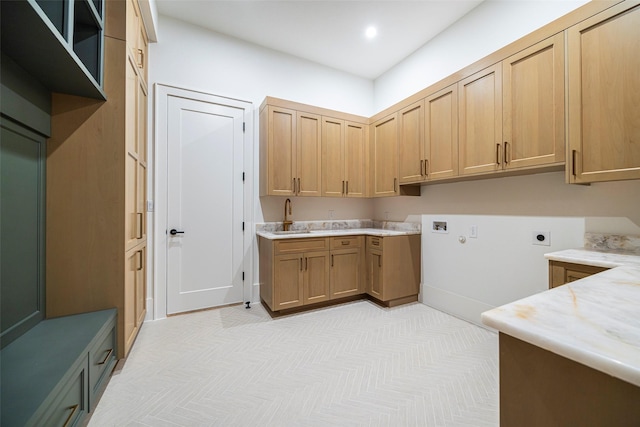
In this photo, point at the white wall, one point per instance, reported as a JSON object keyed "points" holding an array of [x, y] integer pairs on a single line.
{"points": [[487, 28]]}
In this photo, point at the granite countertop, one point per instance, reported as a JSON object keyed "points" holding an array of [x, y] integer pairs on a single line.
{"points": [[594, 321], [307, 229]]}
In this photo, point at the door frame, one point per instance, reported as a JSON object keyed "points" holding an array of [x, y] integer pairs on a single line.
{"points": [[157, 302]]}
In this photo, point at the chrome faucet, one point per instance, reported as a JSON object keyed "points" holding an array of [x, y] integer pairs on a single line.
{"points": [[286, 224]]}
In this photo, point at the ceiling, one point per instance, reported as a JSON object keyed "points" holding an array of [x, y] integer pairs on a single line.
{"points": [[331, 33]]}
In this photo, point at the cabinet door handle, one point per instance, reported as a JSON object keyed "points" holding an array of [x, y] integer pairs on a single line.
{"points": [[343, 187], [106, 357], [331, 260], [506, 157], [300, 263], [74, 409], [426, 167], [141, 265], [294, 186], [306, 263], [421, 167], [380, 261], [498, 154], [140, 225], [395, 185], [298, 185], [574, 156], [141, 62], [347, 190]]}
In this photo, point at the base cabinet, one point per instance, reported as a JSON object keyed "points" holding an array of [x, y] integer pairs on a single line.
{"points": [[299, 272], [393, 268], [347, 266], [561, 273]]}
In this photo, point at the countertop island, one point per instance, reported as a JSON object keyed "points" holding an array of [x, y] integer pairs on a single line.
{"points": [[572, 354]]}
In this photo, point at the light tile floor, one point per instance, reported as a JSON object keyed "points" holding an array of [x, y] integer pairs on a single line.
{"points": [[350, 365]]}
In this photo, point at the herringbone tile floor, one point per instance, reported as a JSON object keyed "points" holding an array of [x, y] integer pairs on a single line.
{"points": [[351, 365]]}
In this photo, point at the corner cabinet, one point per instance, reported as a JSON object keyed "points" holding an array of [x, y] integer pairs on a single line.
{"points": [[384, 156], [604, 83], [393, 268], [96, 189]]}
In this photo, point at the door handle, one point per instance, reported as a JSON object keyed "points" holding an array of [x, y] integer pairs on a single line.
{"points": [[173, 232]]}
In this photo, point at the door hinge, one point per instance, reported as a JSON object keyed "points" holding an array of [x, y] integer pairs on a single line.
{"points": [[242, 176], [243, 276], [242, 225], [244, 127]]}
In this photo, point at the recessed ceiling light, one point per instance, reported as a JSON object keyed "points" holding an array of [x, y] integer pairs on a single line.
{"points": [[371, 32]]}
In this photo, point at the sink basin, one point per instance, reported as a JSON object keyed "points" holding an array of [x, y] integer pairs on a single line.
{"points": [[278, 233]]}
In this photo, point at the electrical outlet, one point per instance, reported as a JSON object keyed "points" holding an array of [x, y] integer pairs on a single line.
{"points": [[149, 205], [542, 238], [473, 232], [331, 214]]}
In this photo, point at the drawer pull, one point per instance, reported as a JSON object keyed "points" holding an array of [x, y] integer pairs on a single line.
{"points": [[73, 408], [375, 242], [106, 357], [345, 242]]}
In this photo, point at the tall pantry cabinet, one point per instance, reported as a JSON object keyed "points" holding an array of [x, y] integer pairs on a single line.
{"points": [[96, 186]]}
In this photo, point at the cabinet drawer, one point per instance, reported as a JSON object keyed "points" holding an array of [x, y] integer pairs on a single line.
{"points": [[346, 242], [69, 406], [300, 245], [374, 242], [101, 360]]}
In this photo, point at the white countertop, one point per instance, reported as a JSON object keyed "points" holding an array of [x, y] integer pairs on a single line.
{"points": [[333, 233], [594, 321]]}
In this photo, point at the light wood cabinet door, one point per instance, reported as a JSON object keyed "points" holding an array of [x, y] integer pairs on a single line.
{"points": [[333, 157], [343, 158], [561, 273], [533, 105], [346, 272], [441, 134], [375, 276], [384, 156], [128, 310], [316, 277], [480, 125], [309, 155], [604, 96], [411, 155], [281, 151], [355, 159], [287, 279]]}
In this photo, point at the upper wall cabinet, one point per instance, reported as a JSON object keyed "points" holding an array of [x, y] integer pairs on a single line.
{"points": [[311, 151], [428, 148], [480, 103], [512, 114], [604, 96], [290, 152], [533, 106], [384, 156], [343, 158], [59, 42]]}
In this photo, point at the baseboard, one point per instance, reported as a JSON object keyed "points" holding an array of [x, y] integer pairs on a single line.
{"points": [[457, 305]]}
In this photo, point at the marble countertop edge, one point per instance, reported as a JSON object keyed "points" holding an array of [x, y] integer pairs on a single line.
{"points": [[336, 233], [594, 258], [592, 321]]}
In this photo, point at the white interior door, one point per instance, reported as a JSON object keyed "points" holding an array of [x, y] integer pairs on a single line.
{"points": [[204, 204]]}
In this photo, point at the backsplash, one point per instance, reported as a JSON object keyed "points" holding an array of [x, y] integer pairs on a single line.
{"points": [[612, 242], [341, 225]]}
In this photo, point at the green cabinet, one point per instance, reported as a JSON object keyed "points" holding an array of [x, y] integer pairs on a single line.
{"points": [[59, 42], [53, 374]]}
